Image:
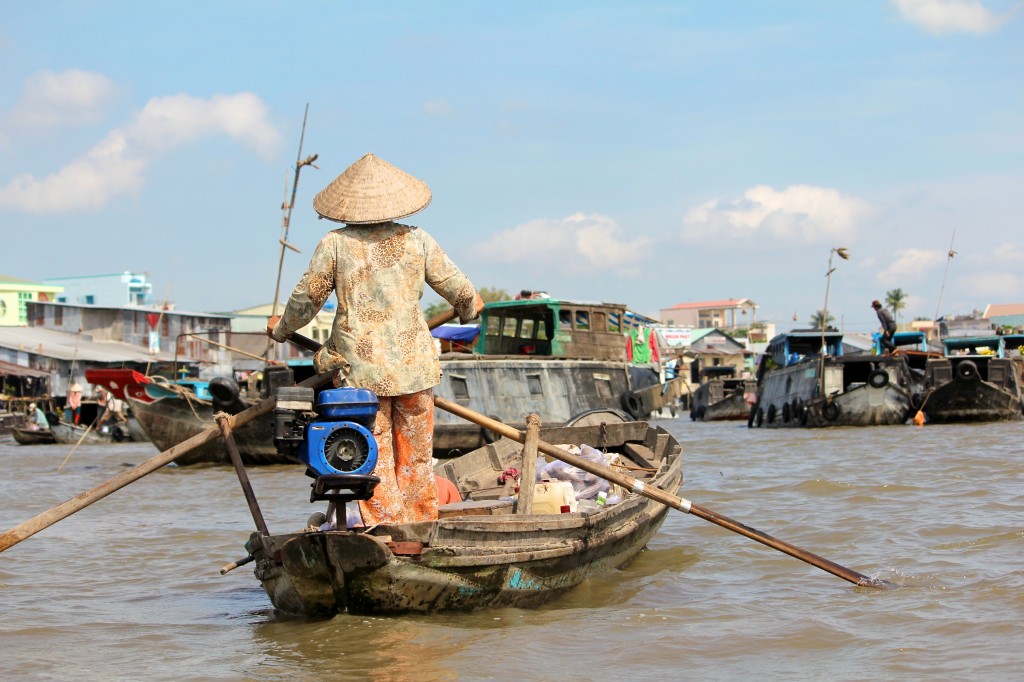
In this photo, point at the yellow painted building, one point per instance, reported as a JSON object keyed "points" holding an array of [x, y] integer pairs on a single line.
{"points": [[14, 297]]}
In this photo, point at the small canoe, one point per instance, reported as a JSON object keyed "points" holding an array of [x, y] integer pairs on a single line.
{"points": [[70, 434], [32, 436], [479, 553]]}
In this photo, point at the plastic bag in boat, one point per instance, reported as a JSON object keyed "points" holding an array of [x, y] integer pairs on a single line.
{"points": [[586, 484]]}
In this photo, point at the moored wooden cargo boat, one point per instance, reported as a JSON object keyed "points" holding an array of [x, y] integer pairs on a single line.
{"points": [[479, 553], [974, 382], [722, 396], [804, 379], [552, 357]]}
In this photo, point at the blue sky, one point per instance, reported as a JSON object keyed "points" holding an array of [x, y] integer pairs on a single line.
{"points": [[648, 153]]}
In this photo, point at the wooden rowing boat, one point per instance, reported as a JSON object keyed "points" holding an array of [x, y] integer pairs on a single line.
{"points": [[479, 553], [25, 436]]}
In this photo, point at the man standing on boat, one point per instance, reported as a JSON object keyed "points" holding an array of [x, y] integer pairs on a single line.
{"points": [[888, 326], [379, 339]]}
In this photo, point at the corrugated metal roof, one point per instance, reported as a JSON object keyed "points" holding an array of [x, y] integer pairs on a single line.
{"points": [[10, 369], [730, 303], [1003, 309], [65, 346]]}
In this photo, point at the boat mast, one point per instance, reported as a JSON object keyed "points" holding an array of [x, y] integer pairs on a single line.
{"points": [[286, 219], [938, 304]]}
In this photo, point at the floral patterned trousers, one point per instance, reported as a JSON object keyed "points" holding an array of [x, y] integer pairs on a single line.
{"points": [[404, 431]]}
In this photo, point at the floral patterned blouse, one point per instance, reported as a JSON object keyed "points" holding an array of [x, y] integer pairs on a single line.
{"points": [[380, 339]]}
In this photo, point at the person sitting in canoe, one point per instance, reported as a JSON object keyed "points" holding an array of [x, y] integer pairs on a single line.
{"points": [[380, 340]]}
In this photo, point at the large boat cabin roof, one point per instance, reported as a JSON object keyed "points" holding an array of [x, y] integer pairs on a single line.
{"points": [[791, 347], [554, 328]]}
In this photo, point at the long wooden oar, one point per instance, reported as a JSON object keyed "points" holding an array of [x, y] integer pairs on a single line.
{"points": [[665, 498], [65, 509], [630, 483], [84, 434]]}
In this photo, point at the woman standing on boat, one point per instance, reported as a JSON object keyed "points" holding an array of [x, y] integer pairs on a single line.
{"points": [[380, 340]]}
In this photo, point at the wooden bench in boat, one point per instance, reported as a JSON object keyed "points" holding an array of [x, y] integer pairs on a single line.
{"points": [[474, 508]]}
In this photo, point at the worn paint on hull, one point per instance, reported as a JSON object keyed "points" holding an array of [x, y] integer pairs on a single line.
{"points": [[468, 562]]}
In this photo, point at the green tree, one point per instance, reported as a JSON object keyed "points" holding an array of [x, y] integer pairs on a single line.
{"points": [[820, 319], [488, 295], [896, 299]]}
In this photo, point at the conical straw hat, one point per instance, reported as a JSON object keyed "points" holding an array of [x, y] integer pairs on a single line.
{"points": [[371, 190]]}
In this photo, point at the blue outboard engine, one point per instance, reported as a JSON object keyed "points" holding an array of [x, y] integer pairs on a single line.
{"points": [[335, 441]]}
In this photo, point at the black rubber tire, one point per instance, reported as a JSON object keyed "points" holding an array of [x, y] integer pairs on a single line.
{"points": [[878, 378], [967, 371], [830, 411], [490, 436], [631, 404], [770, 416], [785, 413]]}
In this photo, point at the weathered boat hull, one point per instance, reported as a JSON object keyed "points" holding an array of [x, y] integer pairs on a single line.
{"points": [[469, 561], [170, 421], [972, 390], [32, 437], [507, 388], [67, 434], [869, 391], [722, 400]]}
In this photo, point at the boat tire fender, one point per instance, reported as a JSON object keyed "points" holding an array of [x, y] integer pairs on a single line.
{"points": [[631, 404], [771, 414], [118, 434], [786, 413], [830, 411], [760, 417], [490, 436], [878, 378], [799, 411], [967, 371], [751, 417]]}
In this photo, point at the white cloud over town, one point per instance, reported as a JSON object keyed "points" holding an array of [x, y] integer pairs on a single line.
{"points": [[116, 165], [996, 287], [577, 242], [949, 16], [910, 265], [800, 213], [54, 100]]}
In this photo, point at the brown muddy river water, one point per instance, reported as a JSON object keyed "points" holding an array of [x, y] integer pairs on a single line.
{"points": [[129, 588]]}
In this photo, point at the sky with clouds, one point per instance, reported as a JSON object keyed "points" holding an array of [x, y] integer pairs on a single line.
{"points": [[647, 153]]}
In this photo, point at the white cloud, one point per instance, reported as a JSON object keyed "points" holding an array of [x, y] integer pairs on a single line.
{"points": [[993, 286], [1007, 253], [949, 16], [116, 165], [70, 98], [439, 108], [800, 213], [578, 242], [910, 265]]}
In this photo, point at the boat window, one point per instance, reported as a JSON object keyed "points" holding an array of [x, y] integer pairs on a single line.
{"points": [[508, 329], [599, 321], [546, 332], [493, 325], [583, 320], [527, 329], [603, 384], [614, 323], [534, 384], [459, 388], [58, 316], [565, 319]]}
